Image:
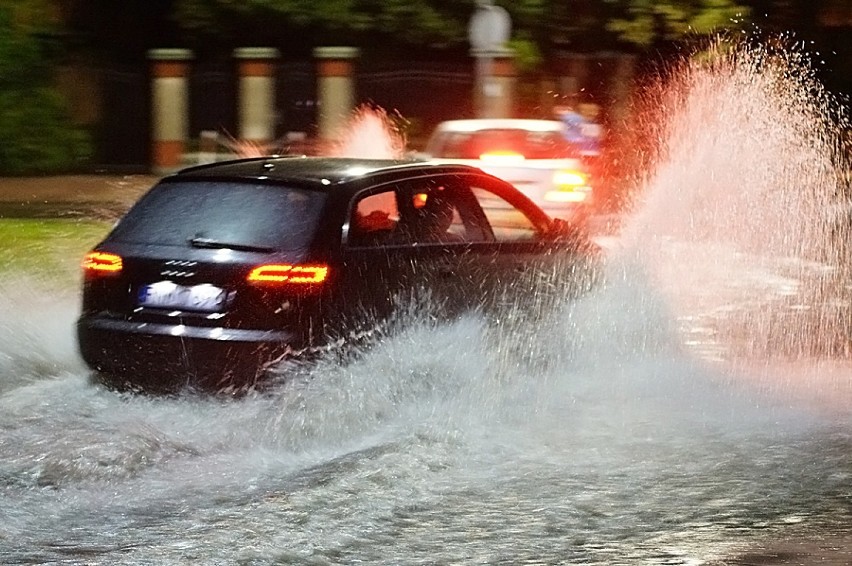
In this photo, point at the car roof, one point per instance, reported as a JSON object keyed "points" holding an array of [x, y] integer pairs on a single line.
{"points": [[315, 171], [474, 125]]}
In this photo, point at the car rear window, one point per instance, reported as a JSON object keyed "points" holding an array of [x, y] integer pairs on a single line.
{"points": [[530, 144], [246, 214]]}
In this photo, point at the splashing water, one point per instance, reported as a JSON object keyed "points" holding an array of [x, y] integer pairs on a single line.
{"points": [[747, 152], [248, 148], [370, 133], [734, 219]]}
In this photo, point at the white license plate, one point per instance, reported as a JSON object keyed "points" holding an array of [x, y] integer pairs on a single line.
{"points": [[169, 295]]}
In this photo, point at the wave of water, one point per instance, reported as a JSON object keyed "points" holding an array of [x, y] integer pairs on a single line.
{"points": [[590, 434]]}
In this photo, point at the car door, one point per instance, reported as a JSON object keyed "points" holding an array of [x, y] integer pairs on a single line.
{"points": [[394, 256], [527, 258]]}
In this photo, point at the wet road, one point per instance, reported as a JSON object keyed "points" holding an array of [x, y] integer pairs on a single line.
{"points": [[639, 425]]}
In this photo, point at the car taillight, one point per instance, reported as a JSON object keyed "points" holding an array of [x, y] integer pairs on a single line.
{"points": [[570, 186], [288, 274], [502, 157], [102, 263]]}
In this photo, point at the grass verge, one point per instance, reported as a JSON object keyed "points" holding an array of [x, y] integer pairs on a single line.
{"points": [[47, 249]]}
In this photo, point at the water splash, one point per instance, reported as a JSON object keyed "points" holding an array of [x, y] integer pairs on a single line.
{"points": [[370, 133], [293, 143], [38, 344], [735, 219], [746, 151], [247, 148]]}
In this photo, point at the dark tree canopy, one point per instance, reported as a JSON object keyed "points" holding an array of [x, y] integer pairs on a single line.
{"points": [[400, 27]]}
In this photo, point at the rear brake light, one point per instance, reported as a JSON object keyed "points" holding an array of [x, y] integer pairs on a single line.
{"points": [[295, 274], [102, 262]]}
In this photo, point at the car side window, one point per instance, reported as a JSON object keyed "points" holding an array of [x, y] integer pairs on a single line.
{"points": [[508, 223], [440, 210], [374, 220]]}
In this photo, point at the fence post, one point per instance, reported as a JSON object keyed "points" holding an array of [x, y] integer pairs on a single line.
{"points": [[169, 107], [335, 88], [495, 82], [256, 97]]}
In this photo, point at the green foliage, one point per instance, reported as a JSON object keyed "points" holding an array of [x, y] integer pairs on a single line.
{"points": [[537, 24], [330, 22], [647, 21], [20, 57], [37, 134], [527, 54], [48, 248]]}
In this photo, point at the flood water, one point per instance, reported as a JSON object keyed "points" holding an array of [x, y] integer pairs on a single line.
{"points": [[693, 409]]}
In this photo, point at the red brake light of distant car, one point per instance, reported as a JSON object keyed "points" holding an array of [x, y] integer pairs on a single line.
{"points": [[102, 263], [570, 186], [502, 157], [288, 274]]}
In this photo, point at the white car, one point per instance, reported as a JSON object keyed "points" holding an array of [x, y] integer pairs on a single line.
{"points": [[532, 155]]}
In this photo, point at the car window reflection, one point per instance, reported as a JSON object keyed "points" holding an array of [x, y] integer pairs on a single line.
{"points": [[508, 223]]}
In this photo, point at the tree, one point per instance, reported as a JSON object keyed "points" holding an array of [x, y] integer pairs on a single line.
{"points": [[645, 22], [299, 25], [34, 122], [539, 26], [21, 56]]}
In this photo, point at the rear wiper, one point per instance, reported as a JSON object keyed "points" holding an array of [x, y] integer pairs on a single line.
{"points": [[216, 245]]}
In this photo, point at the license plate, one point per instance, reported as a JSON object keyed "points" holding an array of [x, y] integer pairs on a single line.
{"points": [[168, 295]]}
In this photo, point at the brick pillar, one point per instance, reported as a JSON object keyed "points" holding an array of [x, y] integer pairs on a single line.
{"points": [[335, 88], [494, 95], [169, 107], [256, 69]]}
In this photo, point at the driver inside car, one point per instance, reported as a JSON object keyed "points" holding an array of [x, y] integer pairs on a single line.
{"points": [[435, 214]]}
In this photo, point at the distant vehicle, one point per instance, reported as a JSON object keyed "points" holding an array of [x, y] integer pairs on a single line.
{"points": [[533, 155], [221, 270]]}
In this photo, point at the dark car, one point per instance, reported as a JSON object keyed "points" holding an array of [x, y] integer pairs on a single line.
{"points": [[221, 269]]}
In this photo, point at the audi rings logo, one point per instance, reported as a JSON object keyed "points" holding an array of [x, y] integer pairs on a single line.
{"points": [[178, 268]]}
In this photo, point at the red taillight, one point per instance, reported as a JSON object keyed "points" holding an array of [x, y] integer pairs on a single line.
{"points": [[102, 262], [288, 274]]}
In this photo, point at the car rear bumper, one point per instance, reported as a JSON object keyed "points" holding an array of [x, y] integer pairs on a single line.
{"points": [[216, 334], [167, 357]]}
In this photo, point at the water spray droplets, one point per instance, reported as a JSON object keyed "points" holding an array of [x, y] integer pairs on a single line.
{"points": [[745, 153], [736, 202], [371, 133]]}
